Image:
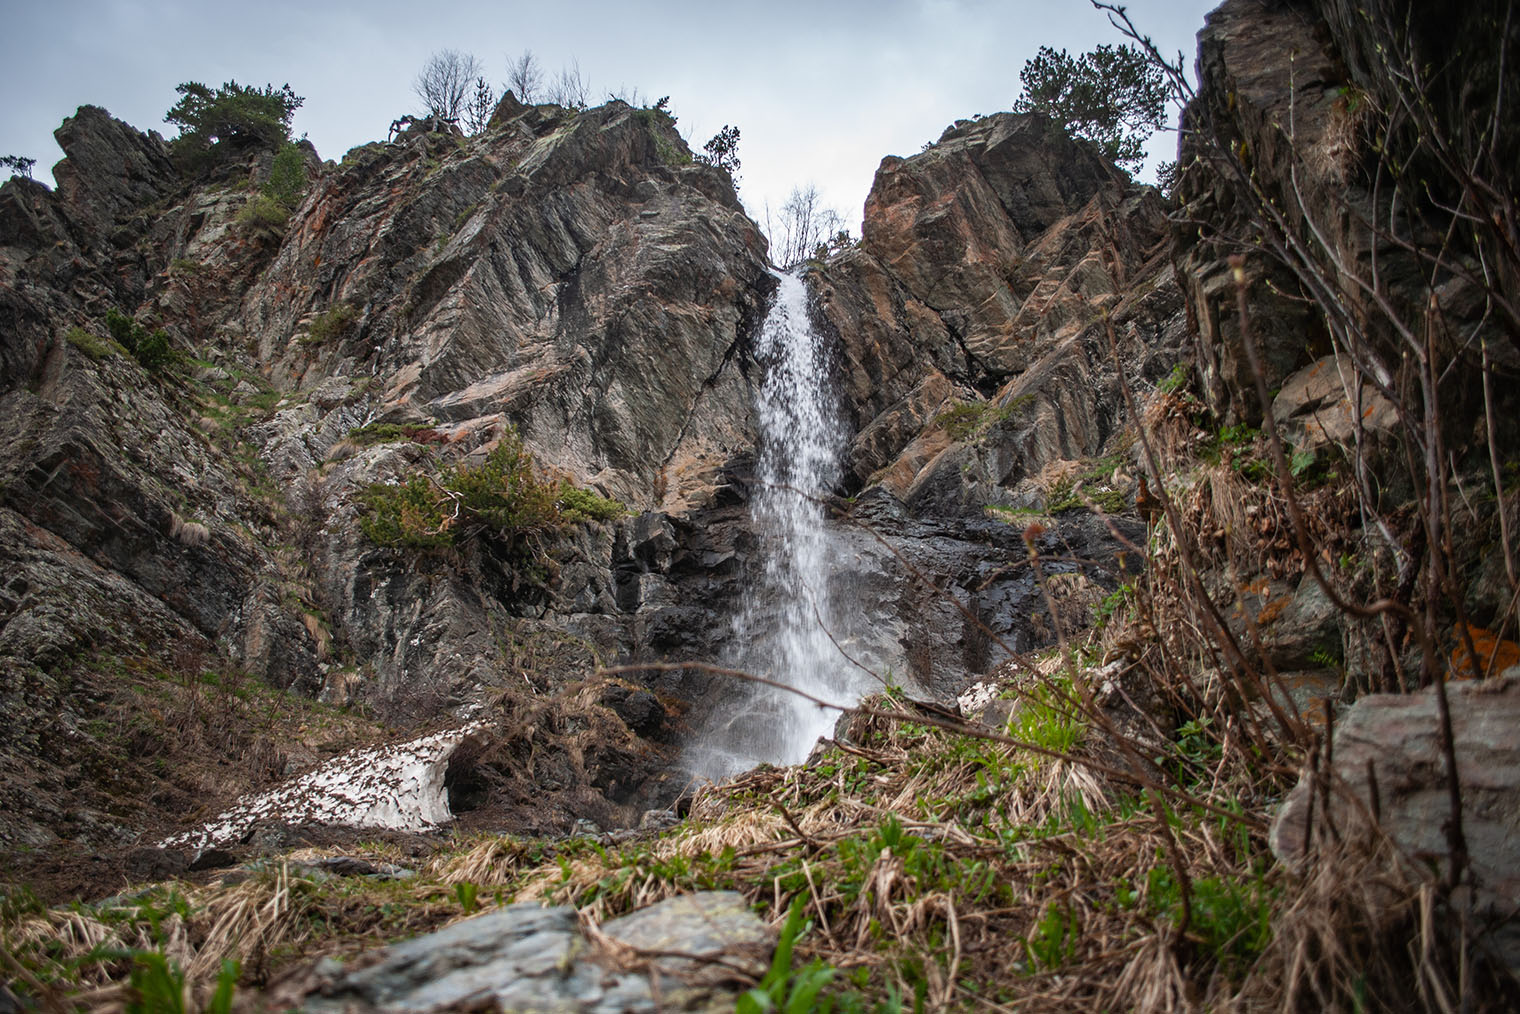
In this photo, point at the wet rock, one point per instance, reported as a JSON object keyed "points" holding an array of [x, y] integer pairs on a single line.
{"points": [[1395, 739], [639, 709], [658, 820]]}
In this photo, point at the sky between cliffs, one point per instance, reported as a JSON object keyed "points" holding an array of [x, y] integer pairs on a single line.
{"points": [[821, 90]]}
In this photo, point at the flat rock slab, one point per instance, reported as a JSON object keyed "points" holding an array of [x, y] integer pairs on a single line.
{"points": [[684, 953], [1397, 738]]}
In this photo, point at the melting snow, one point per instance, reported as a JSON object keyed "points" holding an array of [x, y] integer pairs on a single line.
{"points": [[399, 787]]}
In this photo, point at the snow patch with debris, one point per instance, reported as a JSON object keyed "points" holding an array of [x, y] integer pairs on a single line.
{"points": [[398, 787]]}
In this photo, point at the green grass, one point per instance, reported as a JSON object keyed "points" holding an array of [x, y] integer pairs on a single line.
{"points": [[92, 345], [968, 419], [385, 433], [263, 214], [1065, 496]]}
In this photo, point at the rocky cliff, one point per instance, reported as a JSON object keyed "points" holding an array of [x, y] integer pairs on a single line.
{"points": [[976, 365], [1318, 328], [575, 277], [572, 275]]}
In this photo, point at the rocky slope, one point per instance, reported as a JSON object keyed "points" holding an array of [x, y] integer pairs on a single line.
{"points": [[976, 367]]}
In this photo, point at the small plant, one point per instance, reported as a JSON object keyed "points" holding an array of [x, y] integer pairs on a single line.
{"points": [[1111, 603], [577, 504], [1054, 940], [389, 433], [334, 322], [962, 419], [150, 348], [158, 986], [723, 150], [287, 176], [263, 214], [19, 165], [91, 344], [970, 418], [782, 989], [1177, 380], [466, 894], [1231, 918]]}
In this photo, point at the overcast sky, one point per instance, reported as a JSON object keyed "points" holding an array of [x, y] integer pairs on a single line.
{"points": [[821, 90]]}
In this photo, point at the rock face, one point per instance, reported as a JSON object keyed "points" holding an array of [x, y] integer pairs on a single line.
{"points": [[973, 355], [1297, 128], [1388, 761], [528, 958], [573, 276]]}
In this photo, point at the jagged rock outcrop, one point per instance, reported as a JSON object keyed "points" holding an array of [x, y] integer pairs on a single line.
{"points": [[1304, 160], [1281, 166], [974, 354], [572, 275]]}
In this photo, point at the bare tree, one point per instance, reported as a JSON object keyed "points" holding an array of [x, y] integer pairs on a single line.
{"points": [[445, 81], [631, 95], [571, 89], [803, 226], [525, 76], [479, 107]]}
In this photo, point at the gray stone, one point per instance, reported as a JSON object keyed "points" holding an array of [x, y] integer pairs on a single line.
{"points": [[524, 957], [1304, 632], [1397, 737], [684, 931]]}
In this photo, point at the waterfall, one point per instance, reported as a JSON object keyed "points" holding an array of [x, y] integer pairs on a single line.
{"points": [[783, 630]]}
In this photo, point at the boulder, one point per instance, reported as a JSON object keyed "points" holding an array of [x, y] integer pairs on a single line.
{"points": [[525, 957], [1392, 742], [1317, 408]]}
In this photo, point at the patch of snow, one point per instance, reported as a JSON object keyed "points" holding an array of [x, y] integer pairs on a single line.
{"points": [[978, 696], [397, 787]]}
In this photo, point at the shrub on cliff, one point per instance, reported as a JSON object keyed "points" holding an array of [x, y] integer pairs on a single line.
{"points": [[1112, 96], [502, 501], [150, 348], [723, 150], [230, 121], [18, 165]]}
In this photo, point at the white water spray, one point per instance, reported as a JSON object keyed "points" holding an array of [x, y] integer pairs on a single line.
{"points": [[783, 631]]}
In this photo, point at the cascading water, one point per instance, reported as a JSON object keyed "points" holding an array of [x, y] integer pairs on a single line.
{"points": [[783, 631]]}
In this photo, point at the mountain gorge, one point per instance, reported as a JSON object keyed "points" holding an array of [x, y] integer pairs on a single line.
{"points": [[214, 582]]}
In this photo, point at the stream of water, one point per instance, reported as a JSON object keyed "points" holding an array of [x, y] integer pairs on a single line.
{"points": [[783, 631]]}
